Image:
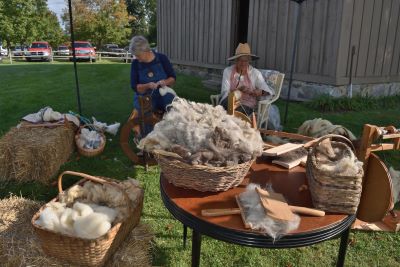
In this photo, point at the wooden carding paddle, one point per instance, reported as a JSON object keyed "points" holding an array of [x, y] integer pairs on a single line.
{"points": [[229, 211], [277, 207]]}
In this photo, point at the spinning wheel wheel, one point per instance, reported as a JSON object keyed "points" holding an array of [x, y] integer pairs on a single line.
{"points": [[234, 103], [377, 194], [135, 127]]}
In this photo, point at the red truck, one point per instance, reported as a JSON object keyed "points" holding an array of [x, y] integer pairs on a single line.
{"points": [[85, 51], [39, 51]]}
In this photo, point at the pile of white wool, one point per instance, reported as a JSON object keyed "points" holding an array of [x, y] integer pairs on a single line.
{"points": [[205, 135], [89, 211]]}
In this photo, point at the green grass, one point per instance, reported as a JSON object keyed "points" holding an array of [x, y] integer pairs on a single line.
{"points": [[327, 103], [105, 94]]}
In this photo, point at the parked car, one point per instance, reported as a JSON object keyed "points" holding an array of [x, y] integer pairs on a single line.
{"points": [[3, 51], [39, 51], [18, 50], [63, 50], [84, 50], [112, 49]]}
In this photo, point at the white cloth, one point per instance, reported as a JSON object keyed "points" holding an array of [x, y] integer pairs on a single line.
{"points": [[256, 79]]}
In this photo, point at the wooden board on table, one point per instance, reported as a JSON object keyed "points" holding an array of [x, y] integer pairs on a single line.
{"points": [[288, 164], [279, 150]]}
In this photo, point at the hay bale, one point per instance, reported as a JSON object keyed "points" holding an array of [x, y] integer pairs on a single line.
{"points": [[20, 247], [34, 154]]}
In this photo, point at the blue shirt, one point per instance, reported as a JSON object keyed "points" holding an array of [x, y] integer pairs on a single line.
{"points": [[159, 58]]}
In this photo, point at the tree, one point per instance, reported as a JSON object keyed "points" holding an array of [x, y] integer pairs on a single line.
{"points": [[24, 21], [99, 21], [15, 20], [144, 18]]}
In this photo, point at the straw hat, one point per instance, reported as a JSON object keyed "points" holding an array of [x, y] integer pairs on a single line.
{"points": [[243, 50]]}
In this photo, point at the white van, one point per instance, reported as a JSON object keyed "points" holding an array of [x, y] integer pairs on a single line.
{"points": [[3, 51]]}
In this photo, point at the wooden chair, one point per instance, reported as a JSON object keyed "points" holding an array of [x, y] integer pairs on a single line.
{"points": [[377, 194], [136, 123], [275, 80]]}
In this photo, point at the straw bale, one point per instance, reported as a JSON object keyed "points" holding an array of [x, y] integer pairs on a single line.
{"points": [[34, 154], [20, 247]]}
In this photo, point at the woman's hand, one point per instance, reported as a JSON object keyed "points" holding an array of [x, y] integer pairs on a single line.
{"points": [[242, 88], [152, 85], [162, 83]]}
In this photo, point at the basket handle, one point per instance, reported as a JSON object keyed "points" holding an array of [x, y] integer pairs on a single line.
{"points": [[336, 136], [97, 180]]}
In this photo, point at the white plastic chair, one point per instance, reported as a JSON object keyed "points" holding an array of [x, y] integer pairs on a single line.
{"points": [[274, 79]]}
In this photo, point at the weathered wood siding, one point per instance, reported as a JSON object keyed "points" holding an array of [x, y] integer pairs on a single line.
{"points": [[272, 25], [197, 32], [202, 33], [373, 27], [328, 31]]}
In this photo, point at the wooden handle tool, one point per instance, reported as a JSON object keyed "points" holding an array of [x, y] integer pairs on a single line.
{"points": [[220, 212], [307, 211]]}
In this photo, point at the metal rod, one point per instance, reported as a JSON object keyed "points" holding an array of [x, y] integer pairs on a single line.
{"points": [[350, 92], [71, 25], [296, 37]]}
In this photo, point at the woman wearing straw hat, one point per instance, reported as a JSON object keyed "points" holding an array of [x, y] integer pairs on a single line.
{"points": [[245, 78]]}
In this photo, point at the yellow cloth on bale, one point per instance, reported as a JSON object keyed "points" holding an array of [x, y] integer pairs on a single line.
{"points": [[20, 247]]}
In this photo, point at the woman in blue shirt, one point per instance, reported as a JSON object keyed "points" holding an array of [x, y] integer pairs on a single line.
{"points": [[149, 72]]}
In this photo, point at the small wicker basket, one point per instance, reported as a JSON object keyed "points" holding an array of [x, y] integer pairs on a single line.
{"points": [[90, 152], [200, 177], [88, 252], [331, 191]]}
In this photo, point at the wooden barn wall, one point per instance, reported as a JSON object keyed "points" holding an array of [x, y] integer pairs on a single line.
{"points": [[328, 30], [373, 28], [202, 33], [272, 25], [196, 32]]}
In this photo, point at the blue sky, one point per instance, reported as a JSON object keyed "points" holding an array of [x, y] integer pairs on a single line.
{"points": [[57, 6]]}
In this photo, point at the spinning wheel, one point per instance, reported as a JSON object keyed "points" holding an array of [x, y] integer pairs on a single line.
{"points": [[377, 195], [137, 123], [233, 104]]}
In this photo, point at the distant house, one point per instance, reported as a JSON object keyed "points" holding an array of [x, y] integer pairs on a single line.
{"points": [[204, 33]]}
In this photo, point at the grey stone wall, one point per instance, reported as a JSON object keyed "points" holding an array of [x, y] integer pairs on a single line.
{"points": [[301, 91]]}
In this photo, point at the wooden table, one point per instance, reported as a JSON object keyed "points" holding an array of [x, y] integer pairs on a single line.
{"points": [[186, 205]]}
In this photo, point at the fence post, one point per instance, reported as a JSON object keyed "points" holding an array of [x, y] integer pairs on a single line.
{"points": [[10, 55]]}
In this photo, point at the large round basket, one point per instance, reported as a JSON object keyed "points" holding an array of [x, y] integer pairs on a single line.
{"points": [[90, 152], [200, 177], [333, 191], [82, 251]]}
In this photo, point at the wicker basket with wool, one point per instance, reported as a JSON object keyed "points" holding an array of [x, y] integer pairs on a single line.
{"points": [[333, 191], [200, 177], [88, 252], [90, 152]]}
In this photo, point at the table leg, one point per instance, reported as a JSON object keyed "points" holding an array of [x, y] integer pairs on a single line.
{"points": [[196, 247], [184, 235], [344, 239]]}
